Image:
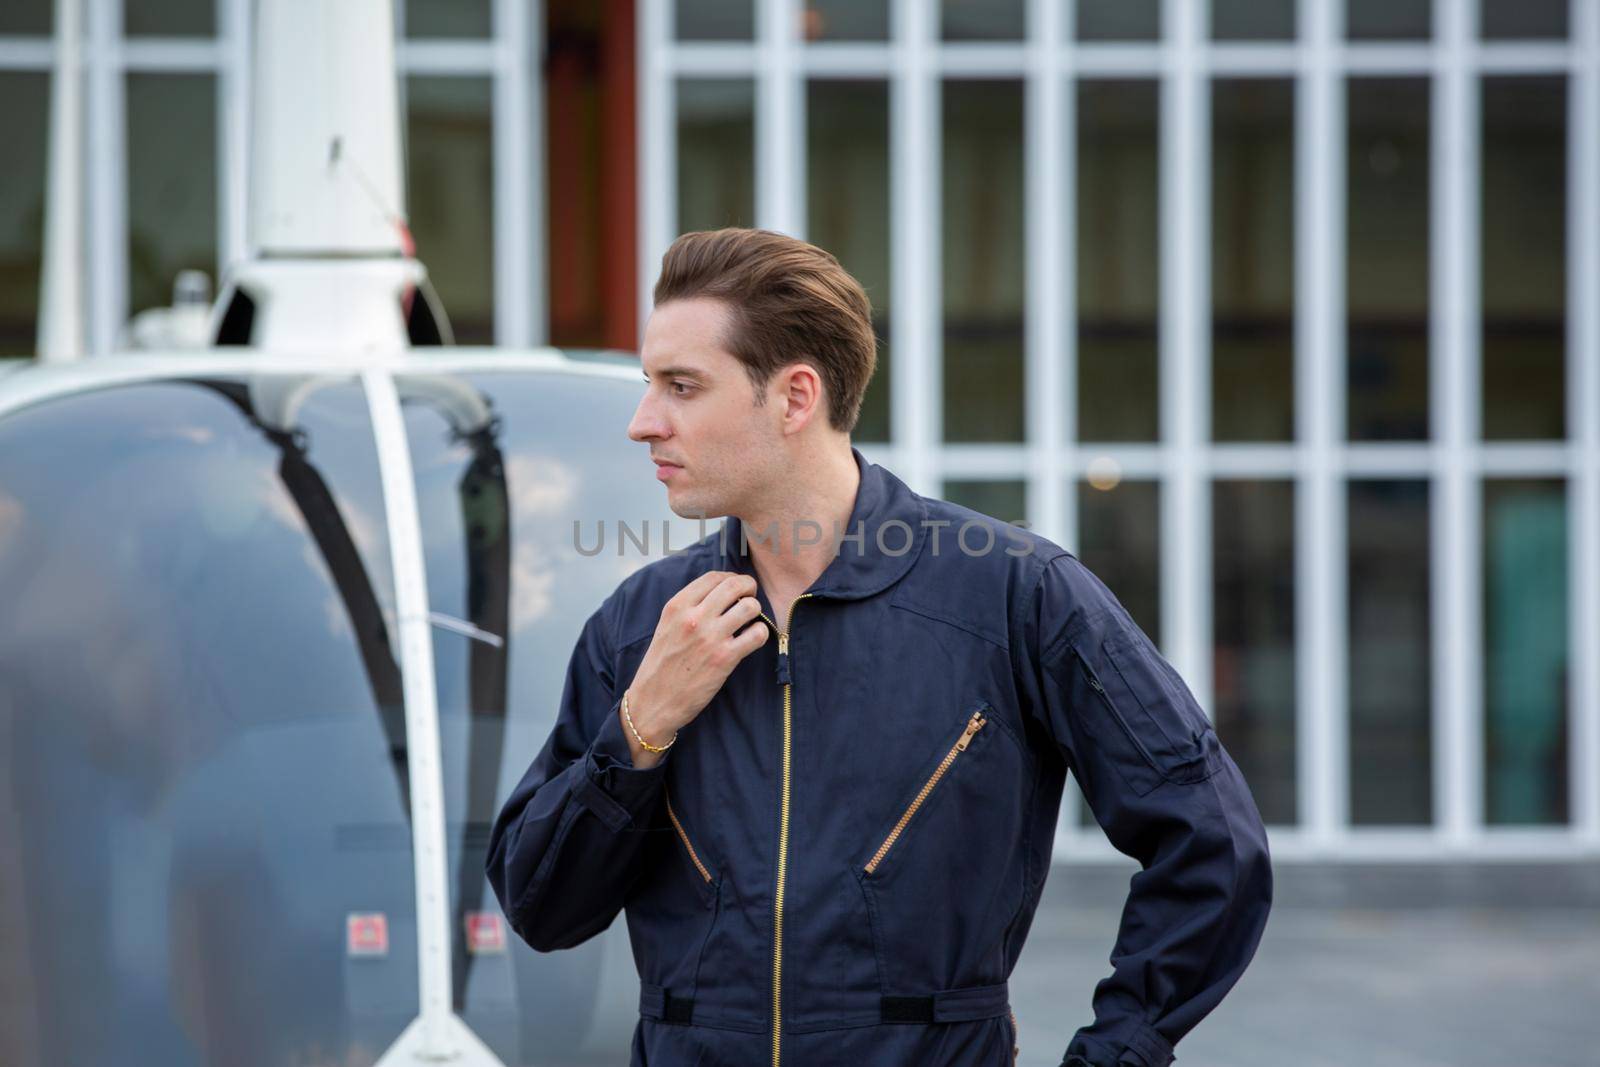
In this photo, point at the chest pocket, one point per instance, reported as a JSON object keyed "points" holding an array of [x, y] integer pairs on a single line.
{"points": [[1141, 710], [942, 873]]}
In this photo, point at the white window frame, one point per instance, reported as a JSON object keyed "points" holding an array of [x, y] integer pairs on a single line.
{"points": [[1050, 462], [1320, 462], [510, 58]]}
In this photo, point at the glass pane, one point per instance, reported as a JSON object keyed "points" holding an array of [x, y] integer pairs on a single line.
{"points": [[1391, 654], [1119, 539], [984, 20], [169, 18], [1252, 524], [24, 130], [1119, 20], [1252, 20], [1252, 260], [1524, 18], [1118, 266], [27, 17], [1527, 674], [498, 500], [1386, 272], [1389, 20], [172, 183], [846, 20], [716, 153], [847, 209], [450, 196], [203, 779], [983, 261], [1003, 500], [447, 18], [715, 20], [1524, 215]]}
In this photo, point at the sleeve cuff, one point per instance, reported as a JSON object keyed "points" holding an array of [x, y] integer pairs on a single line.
{"points": [[611, 787], [1140, 1046]]}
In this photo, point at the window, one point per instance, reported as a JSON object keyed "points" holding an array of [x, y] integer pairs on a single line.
{"points": [[983, 260], [1525, 655], [1254, 592], [450, 196], [847, 209], [1118, 261], [24, 130], [1387, 273], [716, 153], [1524, 222], [172, 183], [1391, 653]]}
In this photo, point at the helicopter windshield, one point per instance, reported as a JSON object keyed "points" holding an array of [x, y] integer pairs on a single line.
{"points": [[201, 820], [205, 802]]}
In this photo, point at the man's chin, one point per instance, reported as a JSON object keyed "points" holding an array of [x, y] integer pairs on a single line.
{"points": [[685, 507]]}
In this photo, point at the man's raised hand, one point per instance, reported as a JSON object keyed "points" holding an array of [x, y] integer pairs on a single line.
{"points": [[704, 632]]}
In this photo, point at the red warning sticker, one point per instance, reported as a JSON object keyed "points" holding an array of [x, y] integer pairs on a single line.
{"points": [[486, 934], [366, 933]]}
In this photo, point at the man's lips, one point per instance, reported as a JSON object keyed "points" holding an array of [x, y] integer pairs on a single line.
{"points": [[665, 470]]}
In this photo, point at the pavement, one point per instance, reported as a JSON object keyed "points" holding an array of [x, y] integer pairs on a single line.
{"points": [[1426, 965], [1361, 965]]}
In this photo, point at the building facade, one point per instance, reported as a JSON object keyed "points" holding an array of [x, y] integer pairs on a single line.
{"points": [[1284, 316]]}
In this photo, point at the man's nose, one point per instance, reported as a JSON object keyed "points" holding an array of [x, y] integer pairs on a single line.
{"points": [[646, 424]]}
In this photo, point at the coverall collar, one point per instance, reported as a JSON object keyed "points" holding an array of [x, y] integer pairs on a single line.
{"points": [[887, 515]]}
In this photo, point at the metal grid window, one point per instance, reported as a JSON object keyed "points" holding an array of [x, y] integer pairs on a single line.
{"points": [[1305, 443], [1457, 67], [134, 59]]}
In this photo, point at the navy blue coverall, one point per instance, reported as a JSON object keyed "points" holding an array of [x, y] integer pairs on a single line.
{"points": [[839, 859]]}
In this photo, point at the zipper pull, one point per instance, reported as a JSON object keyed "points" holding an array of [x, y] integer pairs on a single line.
{"points": [[974, 724], [1088, 672], [783, 659]]}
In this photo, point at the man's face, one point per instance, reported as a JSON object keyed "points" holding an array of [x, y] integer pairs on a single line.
{"points": [[699, 415]]}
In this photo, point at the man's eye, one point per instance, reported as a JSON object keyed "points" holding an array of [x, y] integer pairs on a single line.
{"points": [[679, 385]]}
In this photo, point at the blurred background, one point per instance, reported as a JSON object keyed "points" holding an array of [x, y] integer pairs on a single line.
{"points": [[1284, 316]]}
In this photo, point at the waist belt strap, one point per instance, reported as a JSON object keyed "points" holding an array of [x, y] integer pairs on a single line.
{"points": [[658, 1003], [945, 1006], [948, 1005]]}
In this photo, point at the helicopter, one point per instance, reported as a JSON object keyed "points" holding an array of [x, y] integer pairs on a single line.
{"points": [[291, 582]]}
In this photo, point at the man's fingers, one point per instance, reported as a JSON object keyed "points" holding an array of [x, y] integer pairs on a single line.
{"points": [[724, 593], [694, 592], [740, 612], [750, 638]]}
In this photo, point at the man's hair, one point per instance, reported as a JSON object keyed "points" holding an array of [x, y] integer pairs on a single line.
{"points": [[789, 301]]}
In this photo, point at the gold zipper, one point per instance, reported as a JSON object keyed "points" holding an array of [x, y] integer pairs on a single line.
{"points": [[686, 844], [783, 830], [974, 724]]}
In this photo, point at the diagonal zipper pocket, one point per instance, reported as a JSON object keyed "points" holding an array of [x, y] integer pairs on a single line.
{"points": [[702, 872], [974, 723]]}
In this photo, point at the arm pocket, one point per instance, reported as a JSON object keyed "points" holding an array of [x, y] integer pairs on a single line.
{"points": [[1152, 708]]}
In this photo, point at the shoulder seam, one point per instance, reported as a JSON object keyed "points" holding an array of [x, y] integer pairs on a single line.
{"points": [[1048, 652]]}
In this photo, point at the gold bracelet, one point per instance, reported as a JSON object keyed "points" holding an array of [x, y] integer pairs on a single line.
{"points": [[629, 716]]}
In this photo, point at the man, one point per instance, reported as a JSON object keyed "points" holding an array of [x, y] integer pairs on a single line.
{"points": [[819, 755]]}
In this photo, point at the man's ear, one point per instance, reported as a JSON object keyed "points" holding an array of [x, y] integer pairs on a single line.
{"points": [[800, 392]]}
